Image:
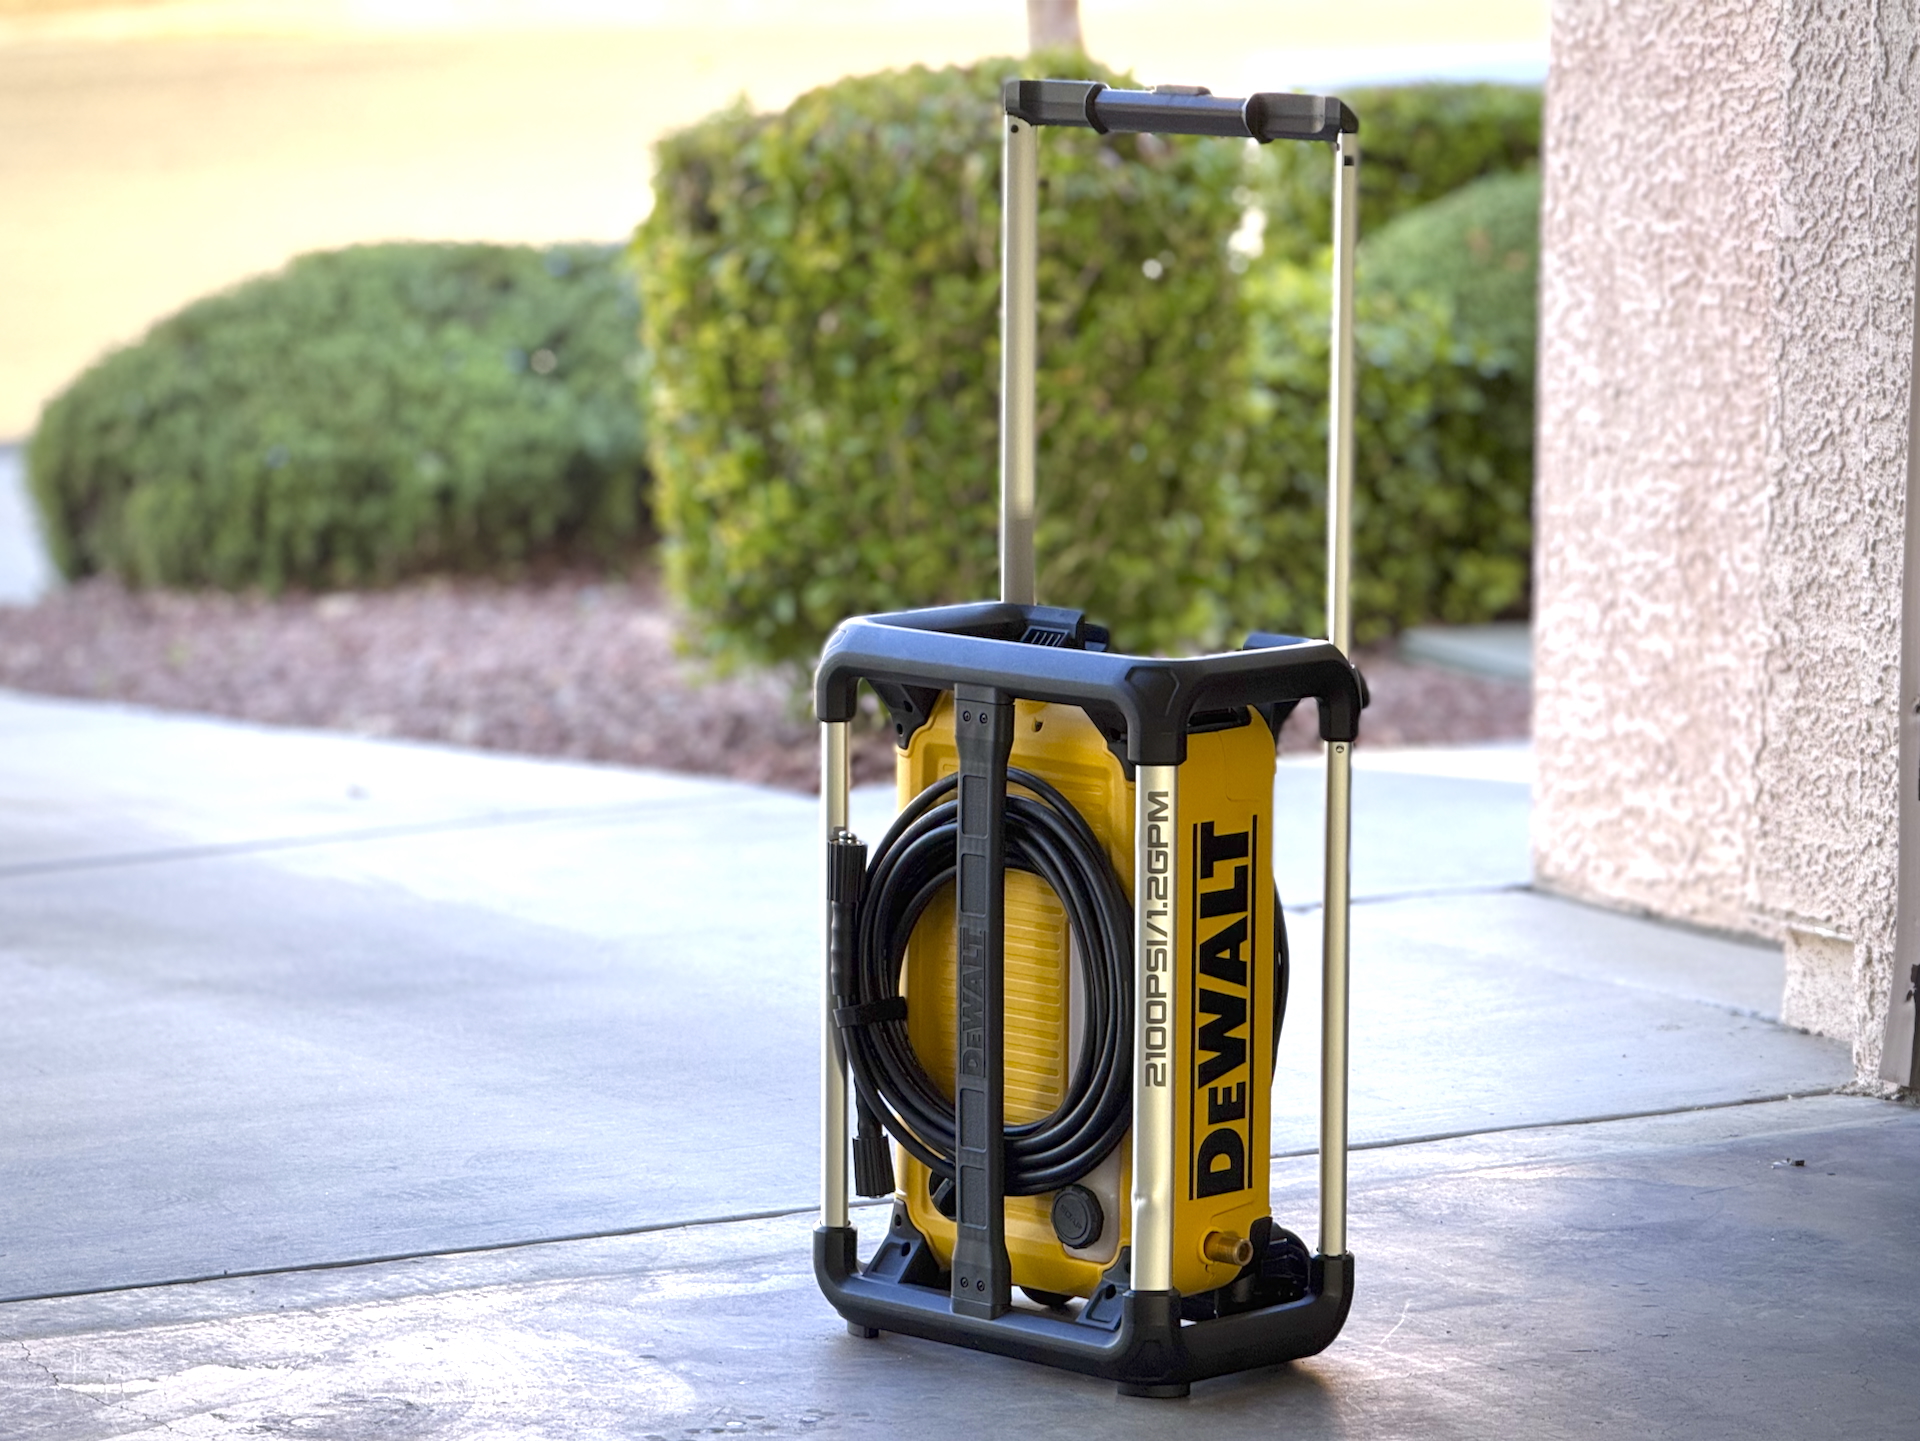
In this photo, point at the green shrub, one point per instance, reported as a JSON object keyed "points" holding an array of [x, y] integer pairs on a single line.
{"points": [[1443, 445], [1417, 143], [364, 415], [1480, 249], [821, 294]]}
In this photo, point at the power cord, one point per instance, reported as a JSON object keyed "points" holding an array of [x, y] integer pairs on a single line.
{"points": [[877, 905]]}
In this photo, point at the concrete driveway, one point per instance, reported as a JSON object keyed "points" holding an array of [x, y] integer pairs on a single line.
{"points": [[284, 1004]]}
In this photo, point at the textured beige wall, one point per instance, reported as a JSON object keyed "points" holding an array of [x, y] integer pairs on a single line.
{"points": [[1843, 293], [1655, 379], [1727, 296]]}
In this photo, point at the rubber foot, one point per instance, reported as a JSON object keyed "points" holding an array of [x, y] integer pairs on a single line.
{"points": [[862, 1333], [1156, 1390]]}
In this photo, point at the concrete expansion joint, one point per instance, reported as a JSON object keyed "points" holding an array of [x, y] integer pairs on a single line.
{"points": [[1856, 1088], [457, 825], [1423, 893], [524, 1243], [1432, 1138]]}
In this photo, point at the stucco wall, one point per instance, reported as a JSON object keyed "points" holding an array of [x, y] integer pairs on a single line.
{"points": [[1826, 811], [1656, 360], [1727, 296]]}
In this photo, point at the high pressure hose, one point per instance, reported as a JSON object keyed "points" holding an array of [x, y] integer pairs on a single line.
{"points": [[877, 905]]}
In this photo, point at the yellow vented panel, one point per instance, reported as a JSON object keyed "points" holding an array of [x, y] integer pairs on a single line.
{"points": [[1036, 972]]}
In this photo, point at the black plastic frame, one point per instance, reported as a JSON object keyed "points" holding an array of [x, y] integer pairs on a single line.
{"points": [[1146, 700], [1133, 1338]]}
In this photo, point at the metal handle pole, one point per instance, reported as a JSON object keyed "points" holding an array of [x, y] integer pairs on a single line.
{"points": [[1019, 257], [1333, 1014], [1334, 954], [1346, 207], [835, 777], [1156, 849]]}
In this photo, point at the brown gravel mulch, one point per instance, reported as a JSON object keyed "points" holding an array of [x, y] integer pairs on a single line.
{"points": [[571, 667]]}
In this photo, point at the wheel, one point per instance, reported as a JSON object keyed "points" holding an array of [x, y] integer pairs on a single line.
{"points": [[1053, 1300]]}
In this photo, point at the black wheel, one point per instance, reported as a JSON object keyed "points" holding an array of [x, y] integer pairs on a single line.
{"points": [[1053, 1300]]}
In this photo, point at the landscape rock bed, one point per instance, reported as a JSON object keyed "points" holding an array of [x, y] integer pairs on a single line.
{"points": [[577, 667]]}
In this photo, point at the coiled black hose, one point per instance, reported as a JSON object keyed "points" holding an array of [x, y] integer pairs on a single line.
{"points": [[1046, 837]]}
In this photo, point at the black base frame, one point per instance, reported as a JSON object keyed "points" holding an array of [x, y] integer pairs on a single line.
{"points": [[1134, 1338]]}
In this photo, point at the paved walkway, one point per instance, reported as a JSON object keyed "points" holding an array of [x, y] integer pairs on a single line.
{"points": [[26, 573], [280, 1002]]}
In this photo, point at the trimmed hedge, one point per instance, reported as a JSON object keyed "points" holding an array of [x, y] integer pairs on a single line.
{"points": [[1417, 143], [821, 296], [1443, 462], [821, 299], [364, 415], [1480, 249]]}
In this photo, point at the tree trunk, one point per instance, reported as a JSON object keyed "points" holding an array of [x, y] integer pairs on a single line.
{"points": [[1054, 25]]}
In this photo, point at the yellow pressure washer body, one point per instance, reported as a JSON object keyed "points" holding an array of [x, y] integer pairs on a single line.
{"points": [[1224, 948], [1053, 988]]}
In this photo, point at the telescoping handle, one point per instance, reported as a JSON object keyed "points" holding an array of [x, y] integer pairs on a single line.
{"points": [[1191, 110], [1177, 110], [1337, 893], [1165, 110]]}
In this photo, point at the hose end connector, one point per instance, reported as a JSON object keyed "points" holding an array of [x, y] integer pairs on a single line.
{"points": [[1227, 1249]]}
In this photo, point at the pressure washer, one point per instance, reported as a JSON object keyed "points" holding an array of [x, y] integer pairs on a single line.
{"points": [[1053, 989]]}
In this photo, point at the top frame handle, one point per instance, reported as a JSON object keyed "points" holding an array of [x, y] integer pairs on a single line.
{"points": [[1177, 110]]}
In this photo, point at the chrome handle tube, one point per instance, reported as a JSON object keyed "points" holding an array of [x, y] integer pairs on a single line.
{"points": [[1346, 208], [1339, 794], [1156, 851], [835, 781], [1019, 261]]}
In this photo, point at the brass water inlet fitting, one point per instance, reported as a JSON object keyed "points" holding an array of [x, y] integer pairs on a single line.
{"points": [[1227, 1248]]}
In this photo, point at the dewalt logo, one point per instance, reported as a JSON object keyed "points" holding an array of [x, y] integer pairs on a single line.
{"points": [[1223, 997]]}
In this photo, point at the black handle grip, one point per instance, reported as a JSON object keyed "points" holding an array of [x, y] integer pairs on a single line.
{"points": [[1183, 110]]}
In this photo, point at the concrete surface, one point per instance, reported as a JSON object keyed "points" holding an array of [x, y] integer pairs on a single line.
{"points": [[26, 573], [1503, 650], [166, 785], [1478, 1012], [1419, 828], [282, 1002], [1661, 1278]]}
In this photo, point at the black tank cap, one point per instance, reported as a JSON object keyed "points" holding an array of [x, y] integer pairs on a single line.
{"points": [[1077, 1218]]}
